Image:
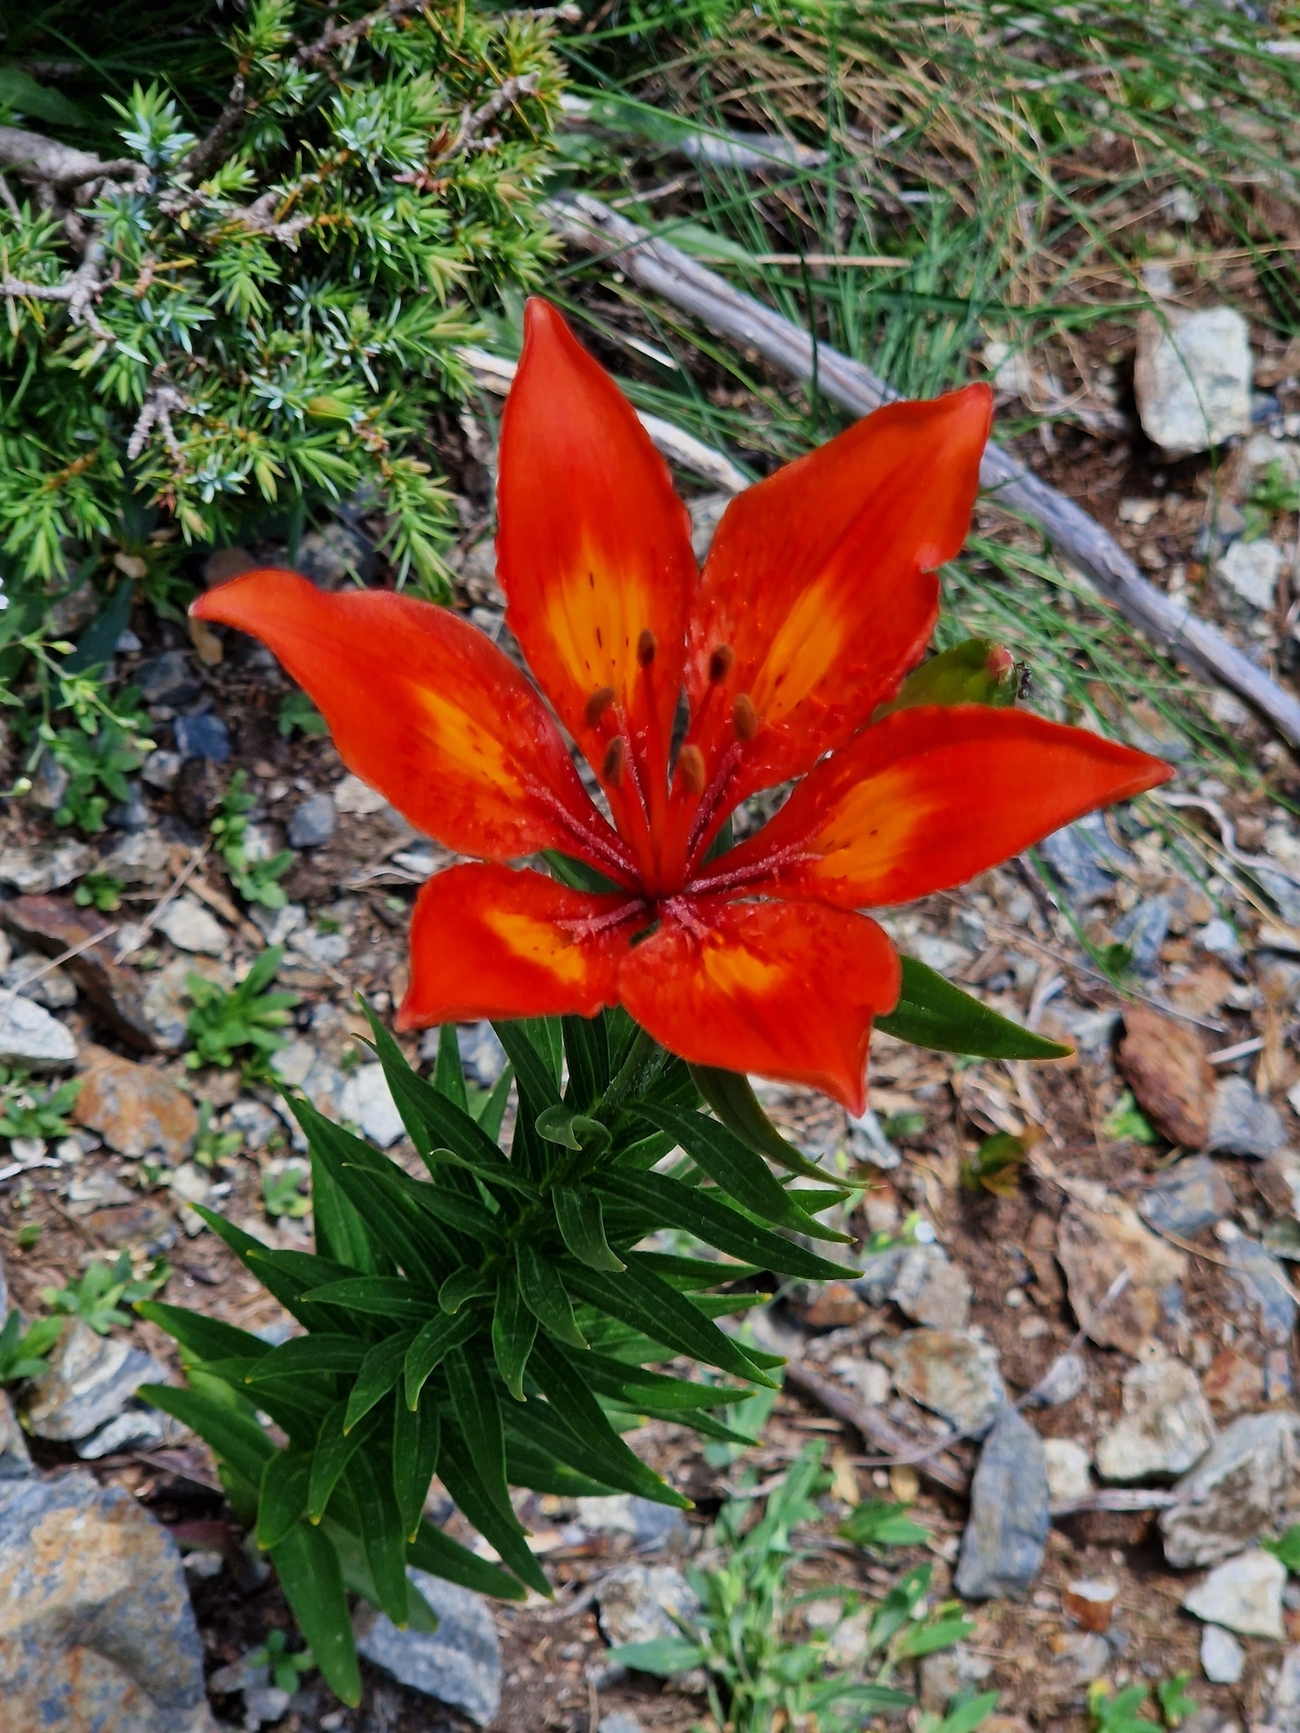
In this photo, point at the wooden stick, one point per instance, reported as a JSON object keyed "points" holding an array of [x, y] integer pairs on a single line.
{"points": [[873, 1426], [1077, 538]]}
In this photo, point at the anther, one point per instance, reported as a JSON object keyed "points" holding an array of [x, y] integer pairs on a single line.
{"points": [[598, 704], [646, 645], [720, 663], [690, 768], [615, 761], [744, 716]]}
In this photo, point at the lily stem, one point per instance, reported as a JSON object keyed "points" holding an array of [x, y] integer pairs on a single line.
{"points": [[644, 1058]]}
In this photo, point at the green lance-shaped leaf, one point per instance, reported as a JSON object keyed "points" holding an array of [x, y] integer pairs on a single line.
{"points": [[545, 1295], [931, 1012], [391, 1297], [741, 1173], [417, 1437], [205, 1338], [335, 1448], [500, 1528], [976, 671], [582, 1223], [313, 1356], [431, 1346], [465, 1284], [731, 1096], [309, 1572], [514, 1329], [560, 1124], [478, 1415], [433, 1551], [380, 1371], [282, 1500], [382, 1532], [232, 1433], [535, 1074], [644, 1300], [448, 1073]]}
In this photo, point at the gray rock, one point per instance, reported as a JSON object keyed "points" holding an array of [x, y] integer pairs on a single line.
{"points": [[922, 1282], [1192, 377], [706, 514], [15, 1458], [37, 871], [139, 859], [1238, 1490], [191, 927], [368, 1102], [265, 1704], [353, 795], [136, 1428], [1189, 1196], [1243, 1123], [1219, 938], [1285, 1711], [1244, 1594], [1144, 929], [481, 1054], [1223, 1659], [335, 556], [868, 1142], [1165, 1428], [1083, 1657], [618, 1722], [131, 814], [90, 1380], [949, 1371], [275, 925], [203, 736], [49, 784], [167, 679], [325, 950], [313, 823], [458, 1664], [96, 1628], [641, 1603], [254, 1121], [161, 768], [1002, 1547], [35, 978], [29, 1036], [952, 1673], [651, 1527], [165, 1002], [1251, 571], [1068, 1466], [1264, 1288], [1062, 1382], [1283, 889], [1084, 858]]}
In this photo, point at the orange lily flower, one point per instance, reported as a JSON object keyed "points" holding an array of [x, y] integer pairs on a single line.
{"points": [[818, 596]]}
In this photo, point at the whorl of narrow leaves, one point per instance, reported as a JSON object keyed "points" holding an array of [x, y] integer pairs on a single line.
{"points": [[491, 1321], [274, 316]]}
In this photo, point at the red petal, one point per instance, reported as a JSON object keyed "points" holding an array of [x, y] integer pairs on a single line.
{"points": [[787, 990], [593, 551], [928, 799], [427, 710], [818, 583], [489, 942]]}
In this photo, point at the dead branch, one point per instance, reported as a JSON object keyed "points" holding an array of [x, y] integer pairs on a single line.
{"points": [[336, 36], [1170, 625], [204, 156], [473, 120], [161, 401], [873, 1426], [52, 167]]}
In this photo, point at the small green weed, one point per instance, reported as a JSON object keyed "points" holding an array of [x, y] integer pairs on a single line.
{"points": [[285, 1669], [882, 1524], [22, 1352], [247, 1016], [99, 891], [257, 881], [298, 711], [97, 1298], [1126, 1121], [1286, 1547], [903, 1125], [29, 1111], [1112, 1711], [758, 1677], [213, 1147], [996, 1164], [282, 1193]]}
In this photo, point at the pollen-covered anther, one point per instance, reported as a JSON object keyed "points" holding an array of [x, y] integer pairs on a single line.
{"points": [[646, 645], [598, 704], [690, 769], [744, 717], [720, 663], [615, 761]]}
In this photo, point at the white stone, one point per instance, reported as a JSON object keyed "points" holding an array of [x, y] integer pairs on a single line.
{"points": [[1252, 570], [1249, 1474], [353, 795], [1166, 1426], [1222, 1656], [1192, 378], [30, 1036], [36, 872], [1067, 1469], [368, 1102], [191, 927], [1245, 1594]]}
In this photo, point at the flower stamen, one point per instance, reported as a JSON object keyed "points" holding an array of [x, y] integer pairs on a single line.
{"points": [[598, 704], [615, 762], [744, 717], [690, 769], [646, 646], [721, 663]]}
